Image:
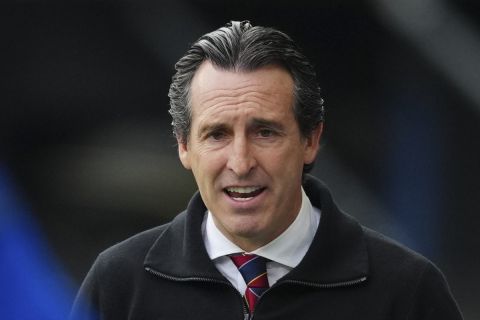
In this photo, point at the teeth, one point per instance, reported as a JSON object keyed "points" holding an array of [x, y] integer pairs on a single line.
{"points": [[242, 189]]}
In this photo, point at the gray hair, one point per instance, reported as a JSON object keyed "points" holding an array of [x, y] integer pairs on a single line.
{"points": [[239, 46]]}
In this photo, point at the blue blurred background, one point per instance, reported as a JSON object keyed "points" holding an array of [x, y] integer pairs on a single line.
{"points": [[87, 157]]}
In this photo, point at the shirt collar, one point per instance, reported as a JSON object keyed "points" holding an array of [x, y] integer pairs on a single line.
{"points": [[288, 249]]}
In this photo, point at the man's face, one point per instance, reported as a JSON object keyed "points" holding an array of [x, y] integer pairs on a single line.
{"points": [[246, 151]]}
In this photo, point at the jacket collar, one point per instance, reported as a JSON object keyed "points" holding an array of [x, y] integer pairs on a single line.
{"points": [[338, 252]]}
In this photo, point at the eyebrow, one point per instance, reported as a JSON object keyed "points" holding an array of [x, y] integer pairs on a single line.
{"points": [[254, 123], [258, 122], [211, 128]]}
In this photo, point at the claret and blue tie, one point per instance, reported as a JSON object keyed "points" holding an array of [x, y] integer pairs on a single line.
{"points": [[254, 272]]}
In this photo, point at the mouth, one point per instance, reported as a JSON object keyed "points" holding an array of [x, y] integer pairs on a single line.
{"points": [[243, 193]]}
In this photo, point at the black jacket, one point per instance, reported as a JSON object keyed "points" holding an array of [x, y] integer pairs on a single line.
{"points": [[349, 272]]}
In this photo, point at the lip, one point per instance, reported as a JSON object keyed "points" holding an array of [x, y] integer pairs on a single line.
{"points": [[245, 205], [242, 186], [253, 187]]}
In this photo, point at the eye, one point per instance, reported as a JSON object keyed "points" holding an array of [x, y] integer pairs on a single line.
{"points": [[216, 135], [266, 133]]}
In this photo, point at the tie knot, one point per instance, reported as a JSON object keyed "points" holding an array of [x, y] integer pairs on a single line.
{"points": [[253, 269]]}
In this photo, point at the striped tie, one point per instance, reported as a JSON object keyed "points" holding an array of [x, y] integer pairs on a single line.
{"points": [[254, 272]]}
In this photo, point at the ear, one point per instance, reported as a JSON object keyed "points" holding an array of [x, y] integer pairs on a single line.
{"points": [[183, 153], [312, 144]]}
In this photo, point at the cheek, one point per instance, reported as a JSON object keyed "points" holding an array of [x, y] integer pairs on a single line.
{"points": [[284, 160], [207, 166]]}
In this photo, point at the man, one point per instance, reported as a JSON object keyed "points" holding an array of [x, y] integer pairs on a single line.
{"points": [[261, 239]]}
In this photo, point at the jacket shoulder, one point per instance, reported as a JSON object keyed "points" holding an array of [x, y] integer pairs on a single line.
{"points": [[386, 253], [135, 248], [116, 269], [412, 278]]}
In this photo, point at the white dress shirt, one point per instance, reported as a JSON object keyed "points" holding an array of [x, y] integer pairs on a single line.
{"points": [[284, 252]]}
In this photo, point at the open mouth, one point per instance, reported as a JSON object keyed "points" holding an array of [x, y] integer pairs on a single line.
{"points": [[243, 193]]}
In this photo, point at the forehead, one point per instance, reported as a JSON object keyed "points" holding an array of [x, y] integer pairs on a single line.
{"points": [[267, 86]]}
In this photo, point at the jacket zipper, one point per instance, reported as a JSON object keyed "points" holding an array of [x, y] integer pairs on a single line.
{"points": [[348, 283], [246, 314], [328, 285]]}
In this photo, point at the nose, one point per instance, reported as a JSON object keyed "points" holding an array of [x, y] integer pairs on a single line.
{"points": [[241, 159]]}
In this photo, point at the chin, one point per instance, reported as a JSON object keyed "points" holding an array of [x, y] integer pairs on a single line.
{"points": [[248, 231]]}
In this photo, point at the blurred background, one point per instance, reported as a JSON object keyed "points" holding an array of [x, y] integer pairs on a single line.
{"points": [[86, 152]]}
